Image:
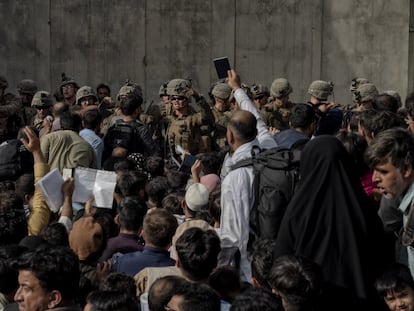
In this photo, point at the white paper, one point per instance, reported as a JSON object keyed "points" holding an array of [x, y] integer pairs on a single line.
{"points": [[51, 187], [97, 183]]}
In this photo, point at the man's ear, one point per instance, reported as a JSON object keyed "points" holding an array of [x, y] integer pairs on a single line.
{"points": [[408, 170], [117, 220], [230, 136], [55, 299]]}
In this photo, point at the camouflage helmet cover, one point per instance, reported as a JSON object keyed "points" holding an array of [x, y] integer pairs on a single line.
{"points": [[68, 80], [280, 88], [42, 99], [321, 89], [365, 92], [259, 89], [83, 92], [128, 88], [221, 90], [27, 86], [179, 87]]}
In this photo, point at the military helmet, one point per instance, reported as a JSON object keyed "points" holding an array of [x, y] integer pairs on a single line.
{"points": [[357, 82], [83, 92], [221, 90], [259, 90], [27, 86], [163, 90], [42, 99], [179, 87], [321, 89], [128, 88], [3, 82], [365, 92], [67, 80], [280, 88]]}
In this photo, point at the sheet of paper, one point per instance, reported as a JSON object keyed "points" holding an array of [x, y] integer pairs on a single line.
{"points": [[51, 187], [97, 183]]}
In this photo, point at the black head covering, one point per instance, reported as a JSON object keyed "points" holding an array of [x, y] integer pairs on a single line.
{"points": [[330, 221]]}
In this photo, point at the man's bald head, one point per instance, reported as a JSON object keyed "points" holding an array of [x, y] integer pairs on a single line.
{"points": [[243, 125]]}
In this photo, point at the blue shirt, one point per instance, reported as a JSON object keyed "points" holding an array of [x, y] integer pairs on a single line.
{"points": [[132, 263], [95, 141]]}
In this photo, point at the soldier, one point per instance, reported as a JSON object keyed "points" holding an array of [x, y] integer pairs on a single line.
{"points": [[26, 89], [330, 117], [364, 96], [86, 97], [165, 104], [10, 108], [279, 103], [260, 95], [43, 102], [123, 92], [68, 88], [221, 94], [184, 123], [355, 83]]}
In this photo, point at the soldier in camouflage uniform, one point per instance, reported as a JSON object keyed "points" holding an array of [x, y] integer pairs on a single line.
{"points": [[364, 96], [184, 123], [26, 89], [68, 88], [221, 94], [260, 94], [279, 105], [43, 102], [10, 109], [85, 96]]}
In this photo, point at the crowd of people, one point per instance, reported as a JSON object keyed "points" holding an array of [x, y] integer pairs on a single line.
{"points": [[178, 235]]}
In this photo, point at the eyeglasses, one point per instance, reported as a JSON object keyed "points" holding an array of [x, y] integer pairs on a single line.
{"points": [[179, 98]]}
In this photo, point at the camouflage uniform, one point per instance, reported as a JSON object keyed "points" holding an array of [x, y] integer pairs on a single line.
{"points": [[186, 130], [221, 94], [41, 99], [10, 109], [27, 88]]}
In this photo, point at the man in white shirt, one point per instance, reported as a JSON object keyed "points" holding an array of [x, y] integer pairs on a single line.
{"points": [[245, 130]]}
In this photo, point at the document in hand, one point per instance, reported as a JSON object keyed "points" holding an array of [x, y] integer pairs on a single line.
{"points": [[51, 187], [97, 183]]}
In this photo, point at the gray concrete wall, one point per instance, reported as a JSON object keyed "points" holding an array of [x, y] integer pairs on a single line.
{"points": [[151, 41]]}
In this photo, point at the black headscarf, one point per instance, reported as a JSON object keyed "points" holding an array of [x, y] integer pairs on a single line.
{"points": [[330, 221]]}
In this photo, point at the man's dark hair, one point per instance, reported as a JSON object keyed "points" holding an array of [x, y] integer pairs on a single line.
{"points": [[198, 297], [13, 224], [110, 300], [92, 119], [395, 144], [131, 104], [298, 281], [119, 282], [243, 125], [385, 102], [177, 180], [56, 268], [172, 203], [131, 213], [8, 274], [409, 104], [55, 234], [197, 251], [211, 163], [355, 145], [256, 299], [394, 279], [155, 166], [302, 116], [159, 228], [70, 121], [385, 120], [103, 86], [365, 119], [262, 261], [131, 183], [162, 290], [225, 280], [156, 189]]}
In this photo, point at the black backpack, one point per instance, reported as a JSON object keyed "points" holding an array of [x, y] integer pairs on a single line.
{"points": [[122, 134], [276, 175], [15, 160]]}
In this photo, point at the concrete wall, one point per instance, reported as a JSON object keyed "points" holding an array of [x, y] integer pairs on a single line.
{"points": [[151, 41]]}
